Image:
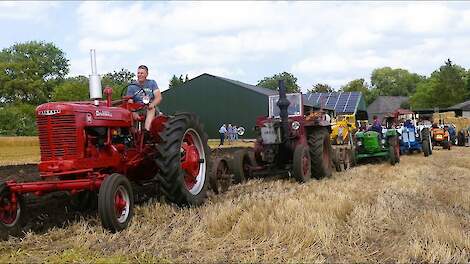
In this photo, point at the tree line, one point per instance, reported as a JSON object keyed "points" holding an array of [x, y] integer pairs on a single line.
{"points": [[446, 86], [35, 72]]}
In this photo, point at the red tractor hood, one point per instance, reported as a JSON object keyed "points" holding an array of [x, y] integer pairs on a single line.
{"points": [[101, 112]]}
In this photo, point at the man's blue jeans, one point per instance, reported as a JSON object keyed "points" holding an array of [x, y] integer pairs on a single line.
{"points": [[222, 137]]}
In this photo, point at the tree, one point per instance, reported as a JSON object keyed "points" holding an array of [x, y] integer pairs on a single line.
{"points": [[177, 81], [122, 77], [18, 120], [360, 85], [395, 82], [467, 84], [118, 80], [29, 71], [72, 89], [444, 88], [290, 81], [321, 88]]}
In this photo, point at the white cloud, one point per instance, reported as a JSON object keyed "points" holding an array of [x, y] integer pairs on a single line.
{"points": [[358, 38], [124, 45], [428, 17], [26, 10], [328, 41], [242, 47]]}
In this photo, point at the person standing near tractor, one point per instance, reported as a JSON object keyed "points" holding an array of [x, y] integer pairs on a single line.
{"points": [[222, 132], [145, 91], [229, 133], [235, 133]]}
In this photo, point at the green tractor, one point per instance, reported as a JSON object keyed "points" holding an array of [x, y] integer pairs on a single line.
{"points": [[372, 144]]}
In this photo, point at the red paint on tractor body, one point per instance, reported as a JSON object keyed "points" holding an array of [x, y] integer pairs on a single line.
{"points": [[82, 143]]}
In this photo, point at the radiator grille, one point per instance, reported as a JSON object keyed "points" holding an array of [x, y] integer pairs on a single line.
{"points": [[57, 136]]}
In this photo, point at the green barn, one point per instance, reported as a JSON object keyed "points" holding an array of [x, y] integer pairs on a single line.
{"points": [[217, 100]]}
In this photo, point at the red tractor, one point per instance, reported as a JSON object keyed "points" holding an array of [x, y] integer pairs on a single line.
{"points": [[290, 142], [97, 151]]}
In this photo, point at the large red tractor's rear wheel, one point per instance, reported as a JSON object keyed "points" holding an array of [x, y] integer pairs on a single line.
{"points": [[115, 202], [183, 157], [320, 153], [302, 164], [12, 213]]}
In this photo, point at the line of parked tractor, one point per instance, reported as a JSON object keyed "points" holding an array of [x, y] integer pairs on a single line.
{"points": [[98, 152], [351, 142]]}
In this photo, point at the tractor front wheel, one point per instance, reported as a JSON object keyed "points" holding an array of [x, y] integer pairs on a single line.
{"points": [[221, 178], [182, 161], [461, 138], [337, 159], [426, 143], [115, 202], [320, 153], [241, 166], [446, 144], [394, 150], [426, 147], [12, 213], [302, 164]]}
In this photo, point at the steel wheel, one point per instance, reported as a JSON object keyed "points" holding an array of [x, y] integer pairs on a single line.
{"points": [[221, 176], [241, 166]]}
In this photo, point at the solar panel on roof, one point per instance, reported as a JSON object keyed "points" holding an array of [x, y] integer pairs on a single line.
{"points": [[342, 102]]}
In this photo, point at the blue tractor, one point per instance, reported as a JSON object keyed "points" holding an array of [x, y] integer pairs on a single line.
{"points": [[412, 137]]}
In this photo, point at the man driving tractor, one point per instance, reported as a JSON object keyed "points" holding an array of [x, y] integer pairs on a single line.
{"points": [[145, 91]]}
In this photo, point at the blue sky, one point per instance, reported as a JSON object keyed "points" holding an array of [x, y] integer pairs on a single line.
{"points": [[319, 42]]}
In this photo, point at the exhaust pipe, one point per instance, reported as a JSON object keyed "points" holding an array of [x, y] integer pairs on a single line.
{"points": [[94, 80], [283, 104]]}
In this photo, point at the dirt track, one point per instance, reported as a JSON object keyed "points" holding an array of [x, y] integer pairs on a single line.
{"points": [[416, 211]]}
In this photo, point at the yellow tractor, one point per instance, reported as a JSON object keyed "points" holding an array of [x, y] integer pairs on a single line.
{"points": [[342, 141]]}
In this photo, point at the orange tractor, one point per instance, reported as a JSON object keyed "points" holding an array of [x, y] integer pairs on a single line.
{"points": [[440, 137]]}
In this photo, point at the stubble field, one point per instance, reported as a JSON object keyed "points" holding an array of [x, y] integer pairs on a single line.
{"points": [[417, 211]]}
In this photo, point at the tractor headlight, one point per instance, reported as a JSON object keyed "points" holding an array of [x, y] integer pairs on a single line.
{"points": [[295, 125], [383, 141], [359, 143], [417, 135]]}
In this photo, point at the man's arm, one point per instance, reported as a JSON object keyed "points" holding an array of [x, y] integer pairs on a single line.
{"points": [[157, 99], [130, 92]]}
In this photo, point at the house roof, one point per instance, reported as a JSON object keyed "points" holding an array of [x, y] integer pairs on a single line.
{"points": [[462, 106], [386, 104]]}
